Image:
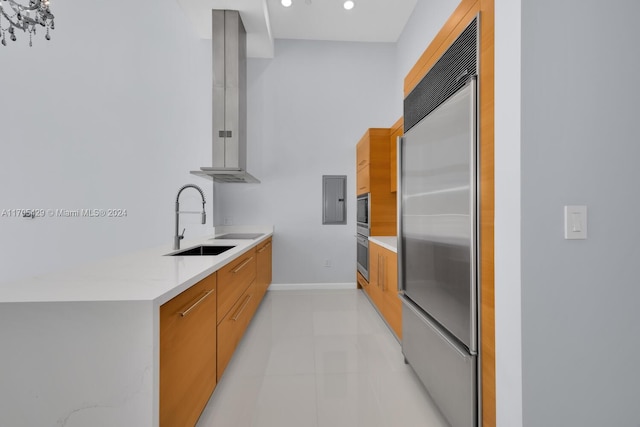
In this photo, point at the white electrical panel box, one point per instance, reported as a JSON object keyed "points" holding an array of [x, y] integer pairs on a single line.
{"points": [[334, 204]]}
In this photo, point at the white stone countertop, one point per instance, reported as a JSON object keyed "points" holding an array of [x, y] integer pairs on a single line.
{"points": [[388, 242], [146, 275]]}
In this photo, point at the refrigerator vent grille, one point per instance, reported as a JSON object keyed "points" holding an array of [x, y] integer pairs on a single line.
{"points": [[445, 78]]}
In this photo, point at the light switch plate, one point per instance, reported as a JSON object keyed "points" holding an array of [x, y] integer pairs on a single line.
{"points": [[575, 222]]}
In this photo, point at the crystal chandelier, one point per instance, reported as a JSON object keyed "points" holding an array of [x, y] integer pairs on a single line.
{"points": [[17, 15]]}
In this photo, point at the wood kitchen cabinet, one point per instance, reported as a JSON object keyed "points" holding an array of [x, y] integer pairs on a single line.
{"points": [[264, 269], [372, 291], [145, 339], [200, 330], [237, 302], [383, 285], [363, 154], [372, 176], [396, 131], [372, 160], [187, 353], [233, 279], [362, 180], [233, 325], [392, 306]]}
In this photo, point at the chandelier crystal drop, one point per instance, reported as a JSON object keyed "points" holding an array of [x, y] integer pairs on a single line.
{"points": [[24, 15]]}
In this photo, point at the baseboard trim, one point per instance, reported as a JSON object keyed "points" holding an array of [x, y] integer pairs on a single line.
{"points": [[311, 286]]}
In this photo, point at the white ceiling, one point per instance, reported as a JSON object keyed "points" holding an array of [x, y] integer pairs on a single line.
{"points": [[266, 20]]}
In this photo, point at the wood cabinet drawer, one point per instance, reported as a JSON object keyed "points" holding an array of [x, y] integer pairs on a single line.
{"points": [[233, 280], [362, 282], [233, 325], [187, 353]]}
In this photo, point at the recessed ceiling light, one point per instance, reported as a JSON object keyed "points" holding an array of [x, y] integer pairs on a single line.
{"points": [[286, 3], [349, 5]]}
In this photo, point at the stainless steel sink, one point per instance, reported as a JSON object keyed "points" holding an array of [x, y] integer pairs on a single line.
{"points": [[203, 250]]}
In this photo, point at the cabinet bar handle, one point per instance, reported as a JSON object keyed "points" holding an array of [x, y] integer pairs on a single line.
{"points": [[264, 247], [379, 274], [241, 266], [241, 309], [384, 273], [206, 294]]}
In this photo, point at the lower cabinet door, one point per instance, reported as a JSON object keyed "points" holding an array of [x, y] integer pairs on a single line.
{"points": [[233, 325], [263, 276], [382, 287], [392, 306], [187, 354], [374, 290]]}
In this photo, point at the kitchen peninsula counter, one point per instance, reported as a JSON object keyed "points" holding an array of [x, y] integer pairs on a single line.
{"points": [[146, 275], [81, 347]]}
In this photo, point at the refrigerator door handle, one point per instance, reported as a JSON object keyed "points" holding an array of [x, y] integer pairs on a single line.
{"points": [[401, 285], [474, 217]]}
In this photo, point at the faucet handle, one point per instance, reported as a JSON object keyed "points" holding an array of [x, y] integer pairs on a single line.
{"points": [[181, 236]]}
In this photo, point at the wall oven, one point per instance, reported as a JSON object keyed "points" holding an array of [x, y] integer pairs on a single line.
{"points": [[363, 225], [363, 214], [363, 255]]}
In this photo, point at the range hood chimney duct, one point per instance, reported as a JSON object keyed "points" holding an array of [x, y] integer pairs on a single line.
{"points": [[229, 41]]}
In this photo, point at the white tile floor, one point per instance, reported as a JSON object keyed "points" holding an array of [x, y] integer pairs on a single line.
{"points": [[319, 359]]}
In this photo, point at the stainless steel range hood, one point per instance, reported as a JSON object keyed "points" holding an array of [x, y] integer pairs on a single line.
{"points": [[229, 158]]}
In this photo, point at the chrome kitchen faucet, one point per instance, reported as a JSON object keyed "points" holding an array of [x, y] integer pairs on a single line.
{"points": [[178, 237]]}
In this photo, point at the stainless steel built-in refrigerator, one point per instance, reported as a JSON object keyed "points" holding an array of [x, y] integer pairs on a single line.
{"points": [[437, 250]]}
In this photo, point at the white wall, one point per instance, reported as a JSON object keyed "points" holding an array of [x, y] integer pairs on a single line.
{"points": [[123, 108], [111, 113], [507, 291], [307, 109], [580, 317], [282, 109], [427, 19]]}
